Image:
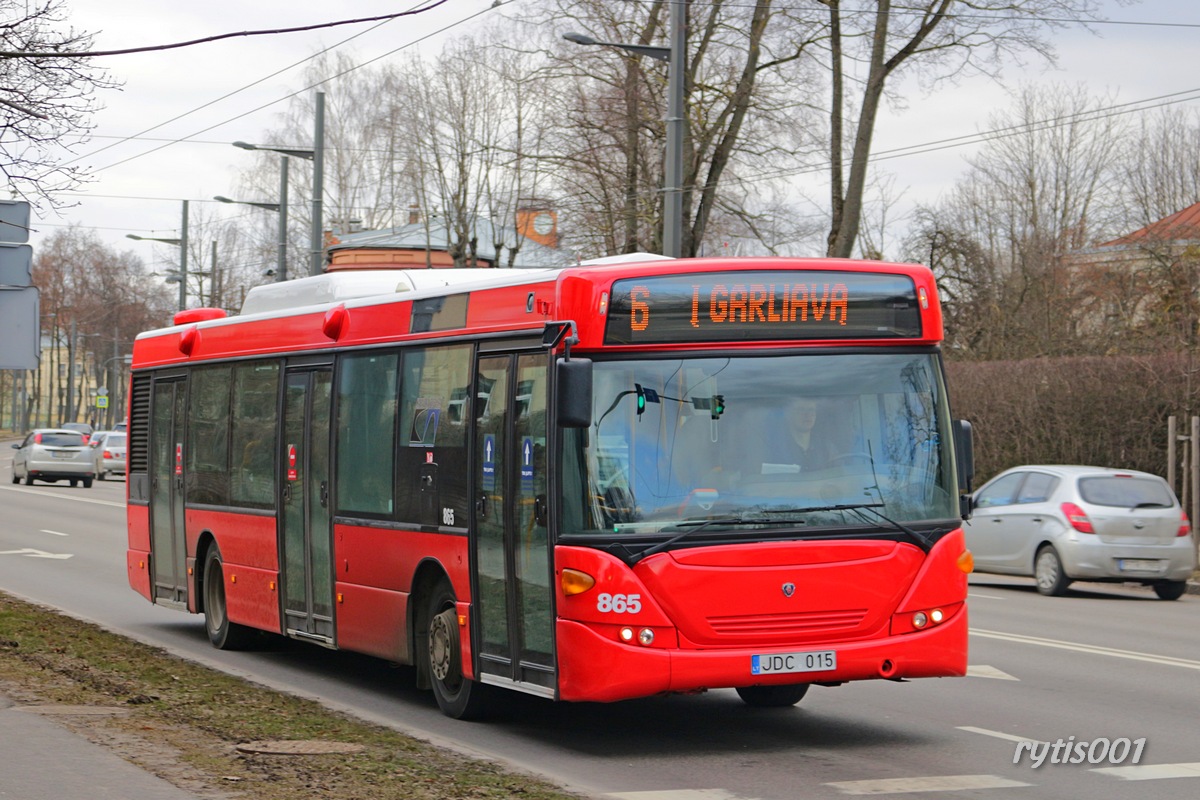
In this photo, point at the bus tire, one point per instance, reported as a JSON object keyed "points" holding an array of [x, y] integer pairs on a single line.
{"points": [[773, 696], [457, 696], [223, 634]]}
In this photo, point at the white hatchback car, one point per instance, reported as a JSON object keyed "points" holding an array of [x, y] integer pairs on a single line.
{"points": [[52, 455], [1065, 523]]}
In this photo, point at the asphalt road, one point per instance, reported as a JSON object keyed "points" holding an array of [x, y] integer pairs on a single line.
{"points": [[1102, 663]]}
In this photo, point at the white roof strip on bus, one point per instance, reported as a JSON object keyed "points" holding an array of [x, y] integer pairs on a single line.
{"points": [[422, 283]]}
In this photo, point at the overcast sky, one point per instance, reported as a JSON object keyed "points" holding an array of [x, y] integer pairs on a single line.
{"points": [[139, 183]]}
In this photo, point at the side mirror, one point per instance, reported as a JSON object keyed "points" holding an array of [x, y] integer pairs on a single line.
{"points": [[964, 458], [574, 392]]}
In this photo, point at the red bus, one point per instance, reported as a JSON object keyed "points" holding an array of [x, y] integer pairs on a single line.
{"points": [[594, 483]]}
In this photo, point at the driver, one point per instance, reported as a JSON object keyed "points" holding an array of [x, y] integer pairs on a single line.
{"points": [[799, 446]]}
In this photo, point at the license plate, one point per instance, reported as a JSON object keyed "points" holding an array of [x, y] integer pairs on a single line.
{"points": [[1140, 565], [58, 454], [783, 663]]}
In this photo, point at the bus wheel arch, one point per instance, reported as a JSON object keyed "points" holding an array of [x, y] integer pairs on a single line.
{"points": [[223, 634], [428, 576], [204, 542], [439, 654]]}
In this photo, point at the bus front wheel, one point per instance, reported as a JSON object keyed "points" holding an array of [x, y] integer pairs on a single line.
{"points": [[457, 696], [772, 696], [223, 634]]}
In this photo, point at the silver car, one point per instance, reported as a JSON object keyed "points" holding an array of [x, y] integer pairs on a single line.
{"points": [[1065, 523], [108, 452], [53, 454]]}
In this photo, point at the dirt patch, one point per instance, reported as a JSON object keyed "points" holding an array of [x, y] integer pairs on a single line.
{"points": [[184, 722]]}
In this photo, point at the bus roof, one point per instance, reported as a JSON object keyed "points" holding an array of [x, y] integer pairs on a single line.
{"points": [[376, 306]]}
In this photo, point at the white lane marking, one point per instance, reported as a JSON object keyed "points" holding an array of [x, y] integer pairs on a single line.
{"points": [[678, 794], [1134, 655], [29, 551], [937, 783], [998, 735], [987, 671], [77, 498], [979, 596], [1152, 772], [55, 533]]}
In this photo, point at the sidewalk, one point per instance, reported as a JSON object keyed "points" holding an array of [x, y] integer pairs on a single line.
{"points": [[43, 759]]}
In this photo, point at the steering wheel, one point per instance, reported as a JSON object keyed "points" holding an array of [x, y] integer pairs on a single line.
{"points": [[851, 456]]}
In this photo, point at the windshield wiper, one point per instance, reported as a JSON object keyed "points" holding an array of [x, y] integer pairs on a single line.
{"points": [[699, 525], [919, 539]]}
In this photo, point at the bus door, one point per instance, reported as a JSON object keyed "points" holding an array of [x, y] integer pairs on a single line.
{"points": [[510, 546], [168, 545], [304, 519]]}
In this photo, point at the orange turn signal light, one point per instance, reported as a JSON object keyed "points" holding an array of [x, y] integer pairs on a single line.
{"points": [[966, 562], [576, 581]]}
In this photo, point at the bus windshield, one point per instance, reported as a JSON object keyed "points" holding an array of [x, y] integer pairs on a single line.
{"points": [[741, 444]]}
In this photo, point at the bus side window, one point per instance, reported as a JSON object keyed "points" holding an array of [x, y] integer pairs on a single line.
{"points": [[255, 395], [366, 433], [431, 464]]}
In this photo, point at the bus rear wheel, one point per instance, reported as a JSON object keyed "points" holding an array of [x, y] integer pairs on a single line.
{"points": [[457, 696], [773, 696], [223, 634]]}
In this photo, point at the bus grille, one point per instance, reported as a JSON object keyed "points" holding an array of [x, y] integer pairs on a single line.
{"points": [[808, 622]]}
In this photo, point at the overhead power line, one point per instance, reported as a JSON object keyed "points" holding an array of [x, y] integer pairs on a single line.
{"points": [[270, 32]]}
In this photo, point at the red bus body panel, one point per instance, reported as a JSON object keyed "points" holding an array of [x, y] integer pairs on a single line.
{"points": [[373, 571], [713, 608]]}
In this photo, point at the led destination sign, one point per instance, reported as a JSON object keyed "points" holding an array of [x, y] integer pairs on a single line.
{"points": [[736, 306]]}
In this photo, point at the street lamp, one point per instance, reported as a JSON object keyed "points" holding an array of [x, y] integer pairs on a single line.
{"points": [[673, 169], [281, 207], [316, 154], [182, 244], [174, 276], [657, 53]]}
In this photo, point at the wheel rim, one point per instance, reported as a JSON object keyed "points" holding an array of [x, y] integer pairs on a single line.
{"points": [[443, 647], [1047, 571]]}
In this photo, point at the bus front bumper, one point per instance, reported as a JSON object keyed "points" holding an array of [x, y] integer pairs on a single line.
{"points": [[593, 667]]}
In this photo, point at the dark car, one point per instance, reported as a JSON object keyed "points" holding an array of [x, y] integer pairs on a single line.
{"points": [[82, 427]]}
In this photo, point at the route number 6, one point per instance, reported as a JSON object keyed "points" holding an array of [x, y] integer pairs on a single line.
{"points": [[619, 603]]}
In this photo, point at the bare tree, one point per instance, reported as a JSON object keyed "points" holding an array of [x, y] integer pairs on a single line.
{"points": [[1160, 171], [46, 104], [939, 39], [1002, 241], [745, 123]]}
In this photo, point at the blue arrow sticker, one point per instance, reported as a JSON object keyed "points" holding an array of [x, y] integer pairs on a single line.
{"points": [[527, 464], [489, 462]]}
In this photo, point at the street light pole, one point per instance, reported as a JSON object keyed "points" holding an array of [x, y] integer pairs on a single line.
{"points": [[673, 199], [182, 244], [281, 207], [316, 155], [281, 247], [183, 254], [317, 241], [675, 55]]}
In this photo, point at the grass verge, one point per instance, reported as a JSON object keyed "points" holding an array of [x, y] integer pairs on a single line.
{"points": [[182, 721]]}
